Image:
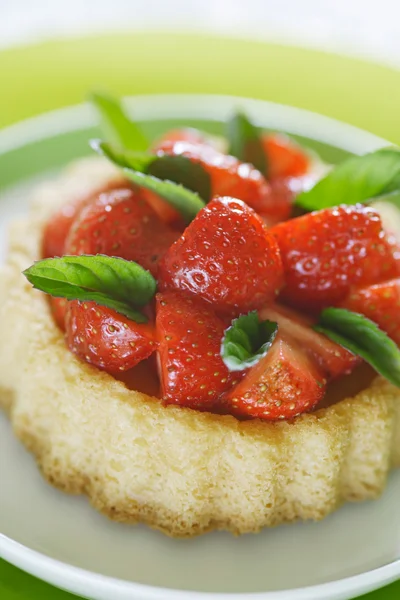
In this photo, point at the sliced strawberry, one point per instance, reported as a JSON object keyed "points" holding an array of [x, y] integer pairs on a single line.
{"points": [[107, 339], [325, 253], [285, 158], [380, 303], [59, 225], [333, 359], [229, 176], [121, 223], [282, 385], [227, 257], [58, 308], [190, 366], [167, 213]]}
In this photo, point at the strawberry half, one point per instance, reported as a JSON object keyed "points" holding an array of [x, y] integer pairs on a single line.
{"points": [[229, 176], [284, 157], [282, 385], [227, 257], [107, 339], [190, 365], [325, 253], [59, 225], [381, 304], [333, 359], [121, 223]]}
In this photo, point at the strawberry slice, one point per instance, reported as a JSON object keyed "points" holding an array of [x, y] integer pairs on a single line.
{"points": [[227, 257], [325, 253], [121, 223], [190, 365], [107, 339], [333, 359], [380, 303], [58, 308], [285, 158], [282, 385], [229, 176], [58, 227]]}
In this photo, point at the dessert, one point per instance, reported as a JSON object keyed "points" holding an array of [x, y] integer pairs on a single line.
{"points": [[204, 359]]}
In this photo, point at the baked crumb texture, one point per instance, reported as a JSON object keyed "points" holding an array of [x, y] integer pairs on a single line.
{"points": [[180, 471]]}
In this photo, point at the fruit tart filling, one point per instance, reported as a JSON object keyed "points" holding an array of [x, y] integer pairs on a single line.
{"points": [[223, 272]]}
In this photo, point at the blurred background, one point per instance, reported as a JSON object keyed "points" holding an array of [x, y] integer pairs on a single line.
{"points": [[362, 27]]}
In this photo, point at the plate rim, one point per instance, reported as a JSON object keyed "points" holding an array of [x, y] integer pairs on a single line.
{"points": [[213, 107]]}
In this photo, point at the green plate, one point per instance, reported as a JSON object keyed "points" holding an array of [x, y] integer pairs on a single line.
{"points": [[55, 74]]}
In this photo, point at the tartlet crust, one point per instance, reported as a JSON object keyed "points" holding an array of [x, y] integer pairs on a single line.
{"points": [[178, 470]]}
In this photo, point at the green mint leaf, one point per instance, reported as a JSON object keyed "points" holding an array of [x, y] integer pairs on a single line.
{"points": [[364, 338], [357, 179], [126, 159], [246, 341], [178, 169], [187, 203], [245, 142], [115, 123], [113, 282], [184, 171]]}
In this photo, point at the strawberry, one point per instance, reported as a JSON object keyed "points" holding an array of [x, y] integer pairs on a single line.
{"points": [[227, 257], [282, 385], [333, 359], [284, 157], [121, 223], [190, 365], [107, 339], [58, 227], [229, 176], [58, 308], [167, 213], [326, 252], [380, 303]]}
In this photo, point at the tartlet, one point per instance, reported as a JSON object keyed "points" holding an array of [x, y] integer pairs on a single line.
{"points": [[178, 470]]}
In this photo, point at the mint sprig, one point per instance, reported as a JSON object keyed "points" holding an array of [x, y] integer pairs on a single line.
{"points": [[364, 338], [245, 142], [116, 125], [178, 169], [357, 179], [119, 284], [246, 341]]}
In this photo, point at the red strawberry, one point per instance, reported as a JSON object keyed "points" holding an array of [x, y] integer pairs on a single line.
{"points": [[58, 308], [227, 257], [167, 213], [284, 157], [326, 252], [189, 335], [381, 304], [229, 176], [107, 339], [59, 225], [333, 359], [282, 385], [121, 223]]}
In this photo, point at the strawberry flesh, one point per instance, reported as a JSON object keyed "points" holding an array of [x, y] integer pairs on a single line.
{"points": [[282, 385], [284, 157], [229, 176], [380, 303], [121, 223], [227, 257], [324, 253], [333, 360], [190, 365], [107, 339]]}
